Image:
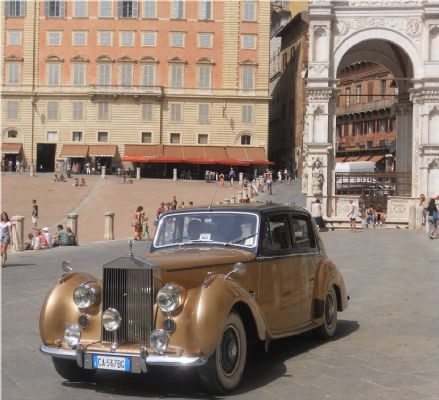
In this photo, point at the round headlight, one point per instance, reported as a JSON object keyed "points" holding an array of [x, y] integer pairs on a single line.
{"points": [[84, 296], [170, 297], [111, 319], [159, 340], [72, 335]]}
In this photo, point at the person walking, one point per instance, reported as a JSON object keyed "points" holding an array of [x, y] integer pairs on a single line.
{"points": [[34, 213], [317, 214], [6, 236], [432, 219], [353, 214], [269, 183], [138, 223], [370, 217], [231, 176]]}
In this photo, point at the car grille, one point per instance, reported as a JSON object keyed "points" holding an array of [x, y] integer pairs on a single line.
{"points": [[129, 291]]}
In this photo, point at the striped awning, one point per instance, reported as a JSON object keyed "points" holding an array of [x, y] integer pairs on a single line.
{"points": [[376, 158], [11, 148], [102, 150], [74, 150]]}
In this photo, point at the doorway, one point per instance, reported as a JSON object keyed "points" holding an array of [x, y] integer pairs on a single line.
{"points": [[46, 157]]}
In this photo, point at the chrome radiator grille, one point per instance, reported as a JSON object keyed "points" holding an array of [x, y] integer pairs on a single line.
{"points": [[129, 291]]}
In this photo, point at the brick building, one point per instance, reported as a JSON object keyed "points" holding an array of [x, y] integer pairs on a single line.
{"points": [[140, 82], [366, 128]]}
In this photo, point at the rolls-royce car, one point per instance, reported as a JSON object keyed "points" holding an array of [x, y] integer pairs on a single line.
{"points": [[216, 279]]}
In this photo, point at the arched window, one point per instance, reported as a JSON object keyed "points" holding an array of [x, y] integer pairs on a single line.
{"points": [[246, 140], [434, 44], [12, 134]]}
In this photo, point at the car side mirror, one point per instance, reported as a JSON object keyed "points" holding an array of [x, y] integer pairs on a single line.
{"points": [[65, 266]]}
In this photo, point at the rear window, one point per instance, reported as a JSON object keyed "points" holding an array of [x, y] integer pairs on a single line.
{"points": [[302, 234]]}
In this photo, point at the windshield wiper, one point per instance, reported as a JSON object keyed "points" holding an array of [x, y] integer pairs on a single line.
{"points": [[240, 239]]}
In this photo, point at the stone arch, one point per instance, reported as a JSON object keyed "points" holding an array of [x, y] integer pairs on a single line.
{"points": [[381, 34]]}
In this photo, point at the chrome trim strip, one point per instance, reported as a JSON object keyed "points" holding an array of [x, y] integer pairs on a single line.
{"points": [[175, 360], [57, 352]]}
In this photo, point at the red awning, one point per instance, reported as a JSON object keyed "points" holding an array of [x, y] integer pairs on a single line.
{"points": [[102, 150], [376, 158], [339, 159], [195, 154], [74, 150], [364, 158], [354, 158], [11, 148]]}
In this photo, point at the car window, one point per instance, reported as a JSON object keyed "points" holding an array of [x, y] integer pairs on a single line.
{"points": [[302, 233], [240, 229], [277, 234]]}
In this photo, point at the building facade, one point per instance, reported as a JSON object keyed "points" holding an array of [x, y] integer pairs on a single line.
{"points": [[82, 80], [366, 118], [287, 88]]}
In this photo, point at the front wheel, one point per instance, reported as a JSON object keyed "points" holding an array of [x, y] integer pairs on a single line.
{"points": [[327, 329], [70, 371], [223, 371]]}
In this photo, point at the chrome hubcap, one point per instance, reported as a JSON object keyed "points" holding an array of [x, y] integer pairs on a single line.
{"points": [[229, 351], [329, 310]]}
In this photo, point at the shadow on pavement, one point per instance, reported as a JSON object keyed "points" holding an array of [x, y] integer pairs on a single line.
{"points": [[163, 382], [13, 265]]}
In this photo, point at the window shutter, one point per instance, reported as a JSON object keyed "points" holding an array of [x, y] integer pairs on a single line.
{"points": [[62, 8], [135, 9], [120, 8], [47, 8]]}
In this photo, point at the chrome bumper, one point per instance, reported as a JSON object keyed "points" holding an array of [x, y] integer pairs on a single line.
{"points": [[138, 361]]}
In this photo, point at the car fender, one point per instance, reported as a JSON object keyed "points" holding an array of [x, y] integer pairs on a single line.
{"points": [[216, 301], [327, 275], [59, 310]]}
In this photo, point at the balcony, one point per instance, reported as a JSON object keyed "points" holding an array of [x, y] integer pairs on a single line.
{"points": [[374, 105], [115, 90]]}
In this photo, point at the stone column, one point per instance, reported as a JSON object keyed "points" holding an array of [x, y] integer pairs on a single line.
{"points": [[31, 170], [239, 196], [109, 225], [103, 171], [174, 174], [403, 138], [18, 232], [241, 178], [138, 173], [72, 222]]}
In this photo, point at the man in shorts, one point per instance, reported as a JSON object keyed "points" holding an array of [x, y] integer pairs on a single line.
{"points": [[34, 213]]}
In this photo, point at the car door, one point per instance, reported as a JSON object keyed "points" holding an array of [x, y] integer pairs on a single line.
{"points": [[279, 292], [306, 255]]}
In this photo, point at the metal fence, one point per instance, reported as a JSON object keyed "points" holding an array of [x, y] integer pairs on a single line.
{"points": [[373, 187]]}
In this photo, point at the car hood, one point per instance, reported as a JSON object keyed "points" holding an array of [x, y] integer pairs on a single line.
{"points": [[199, 257]]}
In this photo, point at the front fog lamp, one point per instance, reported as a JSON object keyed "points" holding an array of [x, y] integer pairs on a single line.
{"points": [[72, 335], [159, 341], [84, 296], [111, 319], [170, 297]]}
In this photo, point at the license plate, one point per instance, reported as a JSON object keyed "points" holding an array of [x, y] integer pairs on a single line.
{"points": [[111, 362]]}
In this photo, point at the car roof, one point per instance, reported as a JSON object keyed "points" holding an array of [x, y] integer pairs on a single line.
{"points": [[258, 207]]}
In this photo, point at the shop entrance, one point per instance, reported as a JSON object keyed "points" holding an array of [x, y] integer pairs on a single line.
{"points": [[46, 157]]}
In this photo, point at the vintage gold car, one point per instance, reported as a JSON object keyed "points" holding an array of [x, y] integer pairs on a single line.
{"points": [[216, 279]]}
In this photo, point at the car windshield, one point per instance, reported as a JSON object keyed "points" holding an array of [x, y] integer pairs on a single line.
{"points": [[228, 228]]}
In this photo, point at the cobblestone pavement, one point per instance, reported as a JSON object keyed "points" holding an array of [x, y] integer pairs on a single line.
{"points": [[387, 346]]}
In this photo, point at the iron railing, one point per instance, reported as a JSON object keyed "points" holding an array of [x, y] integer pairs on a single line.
{"points": [[373, 187]]}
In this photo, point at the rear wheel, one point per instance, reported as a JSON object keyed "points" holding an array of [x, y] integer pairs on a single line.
{"points": [[223, 371], [327, 329], [70, 371]]}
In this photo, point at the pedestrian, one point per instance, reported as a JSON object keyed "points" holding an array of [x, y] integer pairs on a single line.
{"points": [[269, 183], [353, 214], [317, 214], [87, 168], [43, 241], [6, 236], [379, 217], [138, 223], [370, 217], [29, 244], [422, 206], [34, 213], [231, 176], [432, 219], [221, 179], [71, 240], [69, 170], [174, 203], [61, 237], [48, 236], [160, 211], [279, 176], [191, 204], [145, 232]]}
